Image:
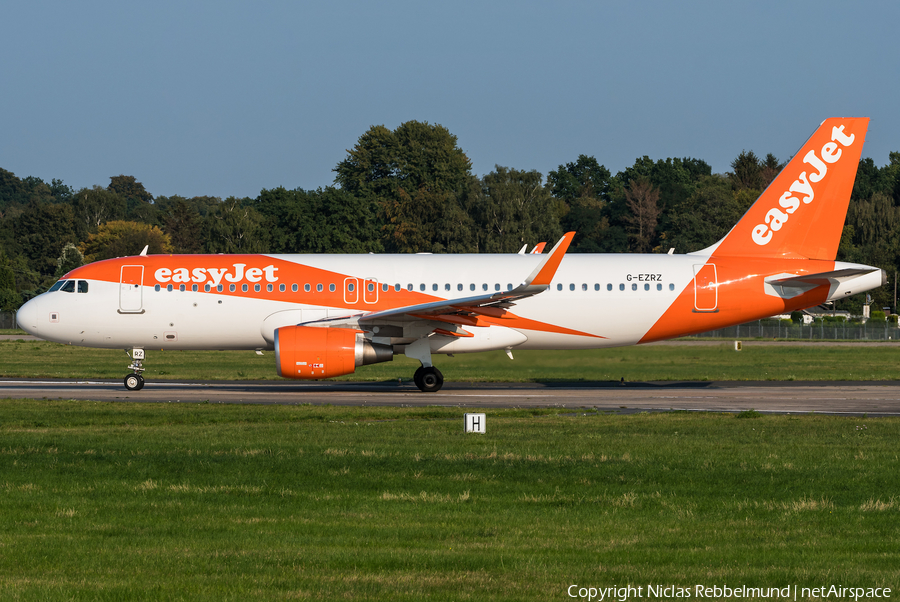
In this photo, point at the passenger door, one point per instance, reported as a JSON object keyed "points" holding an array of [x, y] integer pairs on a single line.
{"points": [[131, 290]]}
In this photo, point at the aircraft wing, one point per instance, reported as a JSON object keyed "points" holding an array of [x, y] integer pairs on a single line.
{"points": [[457, 310]]}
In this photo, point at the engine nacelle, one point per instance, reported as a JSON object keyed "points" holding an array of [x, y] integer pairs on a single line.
{"points": [[308, 352]]}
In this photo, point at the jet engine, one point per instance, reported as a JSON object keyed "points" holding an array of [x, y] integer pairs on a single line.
{"points": [[307, 352]]}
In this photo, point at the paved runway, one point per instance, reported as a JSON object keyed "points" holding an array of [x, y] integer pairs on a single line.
{"points": [[853, 398]]}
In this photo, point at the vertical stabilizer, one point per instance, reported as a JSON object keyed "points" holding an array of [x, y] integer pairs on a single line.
{"points": [[801, 214]]}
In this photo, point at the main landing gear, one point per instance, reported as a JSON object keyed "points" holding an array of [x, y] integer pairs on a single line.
{"points": [[134, 381], [429, 379]]}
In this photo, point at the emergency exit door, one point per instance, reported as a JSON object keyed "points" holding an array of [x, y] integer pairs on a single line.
{"points": [[706, 288]]}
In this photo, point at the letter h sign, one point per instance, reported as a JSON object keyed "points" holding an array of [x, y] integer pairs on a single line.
{"points": [[475, 423]]}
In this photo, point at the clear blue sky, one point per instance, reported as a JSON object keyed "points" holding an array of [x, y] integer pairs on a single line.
{"points": [[227, 98]]}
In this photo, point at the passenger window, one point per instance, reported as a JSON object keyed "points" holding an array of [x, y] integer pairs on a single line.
{"points": [[169, 287], [609, 286], [572, 287], [194, 288], [220, 288], [559, 286], [484, 286], [447, 287], [397, 288], [319, 288], [409, 286], [350, 287], [384, 288], [509, 287], [68, 287], [231, 288], [671, 287], [181, 287], [56, 286], [472, 286], [244, 288], [646, 287], [157, 287], [434, 286], [422, 287], [281, 288], [584, 287], [206, 288], [371, 287], [497, 286], [659, 287], [596, 287], [459, 286], [306, 288], [621, 286], [634, 286], [82, 286], [270, 288]]}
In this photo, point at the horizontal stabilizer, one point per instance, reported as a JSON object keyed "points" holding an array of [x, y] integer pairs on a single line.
{"points": [[823, 277], [840, 282]]}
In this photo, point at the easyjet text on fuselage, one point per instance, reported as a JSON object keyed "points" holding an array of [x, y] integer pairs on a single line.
{"points": [[235, 273]]}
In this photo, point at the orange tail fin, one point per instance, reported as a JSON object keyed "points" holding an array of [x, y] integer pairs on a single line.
{"points": [[801, 214]]}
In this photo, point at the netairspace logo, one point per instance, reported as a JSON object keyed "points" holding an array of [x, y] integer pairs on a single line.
{"points": [[624, 593]]}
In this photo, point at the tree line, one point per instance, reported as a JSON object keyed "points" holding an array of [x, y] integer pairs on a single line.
{"points": [[412, 190]]}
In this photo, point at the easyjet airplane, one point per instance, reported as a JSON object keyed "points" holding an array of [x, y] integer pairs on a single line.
{"points": [[325, 315]]}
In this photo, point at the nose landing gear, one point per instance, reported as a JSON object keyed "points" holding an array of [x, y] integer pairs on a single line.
{"points": [[134, 381]]}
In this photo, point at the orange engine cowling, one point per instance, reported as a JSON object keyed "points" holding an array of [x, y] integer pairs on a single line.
{"points": [[308, 352]]}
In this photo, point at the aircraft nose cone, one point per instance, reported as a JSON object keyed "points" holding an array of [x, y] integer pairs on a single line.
{"points": [[27, 316]]}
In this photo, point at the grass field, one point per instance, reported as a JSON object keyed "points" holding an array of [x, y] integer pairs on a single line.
{"points": [[715, 361], [107, 501]]}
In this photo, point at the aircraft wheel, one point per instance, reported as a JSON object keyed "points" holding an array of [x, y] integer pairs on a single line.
{"points": [[429, 380], [134, 382], [417, 377]]}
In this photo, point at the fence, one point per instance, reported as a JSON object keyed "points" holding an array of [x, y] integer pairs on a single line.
{"points": [[829, 331], [749, 330]]}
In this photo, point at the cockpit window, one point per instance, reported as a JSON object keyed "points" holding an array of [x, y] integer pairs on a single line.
{"points": [[68, 287], [82, 286], [56, 286]]}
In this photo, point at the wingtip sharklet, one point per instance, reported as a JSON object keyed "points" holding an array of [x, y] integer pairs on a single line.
{"points": [[543, 274]]}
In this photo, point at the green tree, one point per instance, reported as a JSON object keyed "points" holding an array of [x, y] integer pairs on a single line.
{"points": [[290, 218], [61, 192], [10, 299], [705, 217], [234, 227], [129, 189], [873, 220], [94, 207], [675, 178], [582, 188], [12, 190], [42, 230], [747, 171], [184, 226], [514, 209], [70, 259], [415, 174], [138, 202]]}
